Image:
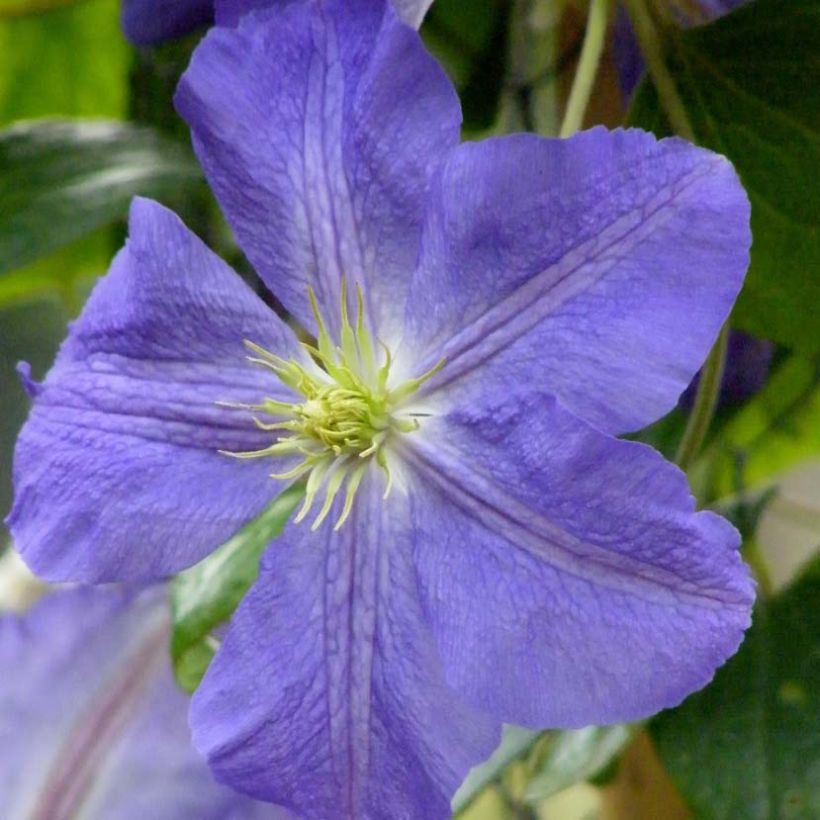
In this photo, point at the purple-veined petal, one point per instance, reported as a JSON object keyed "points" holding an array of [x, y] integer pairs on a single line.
{"points": [[146, 22], [318, 125], [598, 268], [91, 721], [327, 695], [117, 471], [566, 575], [228, 12]]}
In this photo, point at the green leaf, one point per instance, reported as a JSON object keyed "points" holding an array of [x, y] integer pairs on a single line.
{"points": [[30, 285], [66, 274], [776, 430], [60, 180], [748, 746], [66, 61], [206, 595], [62, 61], [749, 84]]}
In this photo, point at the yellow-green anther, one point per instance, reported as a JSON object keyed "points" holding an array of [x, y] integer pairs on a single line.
{"points": [[349, 347], [363, 335], [314, 482], [333, 484], [352, 485], [273, 408], [410, 387], [409, 425], [322, 336], [297, 472], [344, 414], [384, 371], [382, 461]]}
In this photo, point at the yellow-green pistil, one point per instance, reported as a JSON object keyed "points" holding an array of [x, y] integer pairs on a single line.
{"points": [[347, 415]]}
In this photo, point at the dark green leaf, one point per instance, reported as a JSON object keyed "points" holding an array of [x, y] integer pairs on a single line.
{"points": [[665, 434], [31, 333], [751, 86], [60, 180], [776, 430], [67, 274], [206, 595], [460, 35], [475, 45], [748, 746]]}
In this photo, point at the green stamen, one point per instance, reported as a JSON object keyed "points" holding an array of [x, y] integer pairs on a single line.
{"points": [[347, 414]]}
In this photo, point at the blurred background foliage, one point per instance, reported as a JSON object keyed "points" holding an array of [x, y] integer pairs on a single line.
{"points": [[86, 122]]}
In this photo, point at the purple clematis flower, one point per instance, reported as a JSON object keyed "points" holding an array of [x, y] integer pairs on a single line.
{"points": [[147, 22], [476, 545], [91, 722], [748, 361]]}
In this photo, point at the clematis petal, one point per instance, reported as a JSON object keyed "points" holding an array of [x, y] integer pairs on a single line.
{"points": [[228, 12], [117, 471], [345, 712], [92, 723], [146, 22], [598, 268], [565, 573], [318, 125]]}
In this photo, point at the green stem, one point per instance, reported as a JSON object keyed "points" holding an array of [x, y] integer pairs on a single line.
{"points": [[705, 403], [649, 39], [591, 51]]}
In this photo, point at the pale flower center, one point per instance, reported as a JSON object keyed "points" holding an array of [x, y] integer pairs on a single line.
{"points": [[347, 415]]}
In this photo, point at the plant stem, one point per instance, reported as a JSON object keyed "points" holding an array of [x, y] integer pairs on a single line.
{"points": [[651, 43], [649, 39], [706, 399], [591, 51]]}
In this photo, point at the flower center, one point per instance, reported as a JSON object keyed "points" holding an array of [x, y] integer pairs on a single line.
{"points": [[347, 415]]}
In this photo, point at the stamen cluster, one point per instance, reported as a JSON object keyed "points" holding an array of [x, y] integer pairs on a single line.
{"points": [[347, 416]]}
